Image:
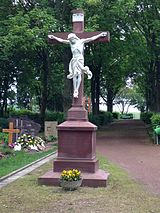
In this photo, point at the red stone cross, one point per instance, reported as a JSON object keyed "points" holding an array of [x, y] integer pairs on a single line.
{"points": [[77, 136], [78, 29]]}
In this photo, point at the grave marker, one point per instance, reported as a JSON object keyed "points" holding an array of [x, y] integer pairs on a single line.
{"points": [[11, 131], [26, 126], [50, 129]]}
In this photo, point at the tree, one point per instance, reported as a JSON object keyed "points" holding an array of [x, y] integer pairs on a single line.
{"points": [[129, 96], [144, 18]]}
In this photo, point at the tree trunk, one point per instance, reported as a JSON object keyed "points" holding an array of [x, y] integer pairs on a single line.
{"points": [[110, 100], [97, 92], [44, 92], [157, 86]]}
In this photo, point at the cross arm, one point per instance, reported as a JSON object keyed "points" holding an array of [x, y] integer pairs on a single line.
{"points": [[11, 130], [83, 35]]}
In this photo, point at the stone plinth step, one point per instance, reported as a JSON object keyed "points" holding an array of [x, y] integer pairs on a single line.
{"points": [[97, 179]]}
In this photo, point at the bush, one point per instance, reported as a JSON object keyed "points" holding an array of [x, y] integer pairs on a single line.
{"points": [[54, 116], [108, 118], [102, 119], [50, 116], [4, 136], [146, 117], [95, 119], [21, 113], [126, 116], [115, 115], [26, 113], [3, 123], [155, 120]]}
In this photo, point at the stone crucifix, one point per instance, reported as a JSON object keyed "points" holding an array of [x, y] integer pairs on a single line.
{"points": [[77, 41]]}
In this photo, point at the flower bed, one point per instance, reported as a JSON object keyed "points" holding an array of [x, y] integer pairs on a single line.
{"points": [[26, 141]]}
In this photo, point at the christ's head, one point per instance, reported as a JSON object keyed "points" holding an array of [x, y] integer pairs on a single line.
{"points": [[72, 38]]}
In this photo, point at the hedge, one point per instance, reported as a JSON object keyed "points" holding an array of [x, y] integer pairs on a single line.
{"points": [[101, 119], [3, 123], [49, 116], [146, 117], [155, 120]]}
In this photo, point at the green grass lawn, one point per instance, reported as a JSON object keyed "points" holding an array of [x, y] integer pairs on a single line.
{"points": [[20, 159], [122, 195]]}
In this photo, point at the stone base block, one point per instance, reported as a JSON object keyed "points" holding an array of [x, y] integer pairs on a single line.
{"points": [[82, 165], [97, 179]]}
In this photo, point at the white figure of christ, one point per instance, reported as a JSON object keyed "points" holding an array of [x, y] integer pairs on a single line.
{"points": [[76, 65]]}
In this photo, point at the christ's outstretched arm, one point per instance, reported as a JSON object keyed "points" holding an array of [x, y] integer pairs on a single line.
{"points": [[58, 39], [86, 40]]}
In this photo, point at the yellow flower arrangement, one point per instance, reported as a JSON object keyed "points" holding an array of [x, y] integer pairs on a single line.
{"points": [[71, 175]]}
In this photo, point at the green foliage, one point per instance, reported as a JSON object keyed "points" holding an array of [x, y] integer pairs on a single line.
{"points": [[4, 137], [51, 138], [3, 123], [36, 67], [21, 113], [7, 151], [26, 113], [95, 119], [105, 118], [155, 120], [129, 96], [101, 119], [126, 116], [49, 115], [115, 115], [146, 117], [54, 116]]}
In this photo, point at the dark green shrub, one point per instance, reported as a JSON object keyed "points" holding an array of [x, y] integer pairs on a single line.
{"points": [[49, 116], [101, 119], [26, 113], [155, 120], [105, 117], [3, 123], [146, 117], [115, 115], [130, 115], [21, 113], [126, 116], [95, 119], [54, 116], [4, 138], [51, 138], [7, 151]]}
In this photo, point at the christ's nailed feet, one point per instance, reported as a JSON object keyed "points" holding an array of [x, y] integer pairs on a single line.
{"points": [[75, 94]]}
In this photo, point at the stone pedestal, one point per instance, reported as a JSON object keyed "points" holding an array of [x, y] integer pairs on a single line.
{"points": [[77, 150], [76, 146]]}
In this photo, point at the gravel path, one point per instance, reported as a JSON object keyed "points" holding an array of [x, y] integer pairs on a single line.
{"points": [[127, 144]]}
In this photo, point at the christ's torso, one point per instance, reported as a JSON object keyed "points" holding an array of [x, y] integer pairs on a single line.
{"points": [[77, 49]]}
